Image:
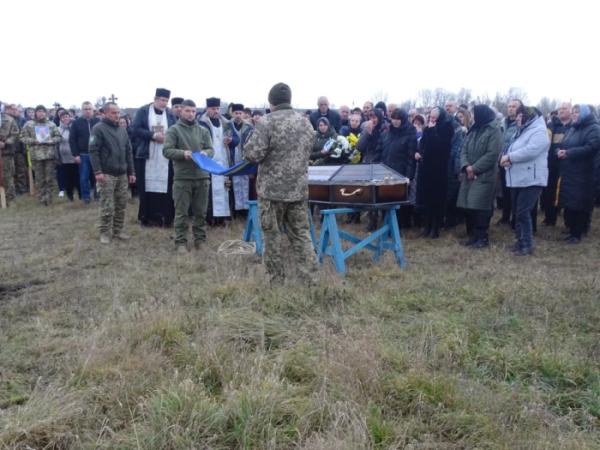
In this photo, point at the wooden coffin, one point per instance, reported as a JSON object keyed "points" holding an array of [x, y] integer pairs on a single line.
{"points": [[356, 184]]}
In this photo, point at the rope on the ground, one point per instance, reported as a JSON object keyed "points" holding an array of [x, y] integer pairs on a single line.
{"points": [[236, 247]]}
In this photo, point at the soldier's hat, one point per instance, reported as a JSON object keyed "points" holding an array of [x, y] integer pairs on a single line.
{"points": [[40, 108], [280, 93], [213, 101]]}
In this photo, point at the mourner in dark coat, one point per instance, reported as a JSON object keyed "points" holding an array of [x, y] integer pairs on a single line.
{"points": [[397, 147], [433, 155], [577, 157], [369, 138]]}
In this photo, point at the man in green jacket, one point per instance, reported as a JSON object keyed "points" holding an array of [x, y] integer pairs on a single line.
{"points": [[190, 183], [112, 162]]}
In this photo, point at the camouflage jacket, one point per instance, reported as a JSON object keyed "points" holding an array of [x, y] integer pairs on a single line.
{"points": [[281, 144], [41, 138], [9, 134]]}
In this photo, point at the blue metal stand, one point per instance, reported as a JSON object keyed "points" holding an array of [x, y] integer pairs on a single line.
{"points": [[387, 238], [253, 232]]}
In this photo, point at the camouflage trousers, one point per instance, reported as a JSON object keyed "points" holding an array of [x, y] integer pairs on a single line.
{"points": [[114, 192], [194, 194], [8, 169], [45, 179], [276, 216], [20, 173]]}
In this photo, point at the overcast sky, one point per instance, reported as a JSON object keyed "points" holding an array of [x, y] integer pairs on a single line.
{"points": [[70, 51]]}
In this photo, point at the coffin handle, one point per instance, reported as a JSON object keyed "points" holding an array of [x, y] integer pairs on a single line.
{"points": [[350, 194]]}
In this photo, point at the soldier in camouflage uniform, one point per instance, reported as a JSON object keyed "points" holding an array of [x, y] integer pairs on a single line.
{"points": [[112, 161], [190, 183], [19, 151], [42, 135], [9, 134], [281, 144]]}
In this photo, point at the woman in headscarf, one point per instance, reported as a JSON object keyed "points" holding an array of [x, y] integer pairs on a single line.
{"points": [[397, 147], [369, 138], [478, 167], [324, 132], [368, 146], [576, 159], [526, 172], [433, 155]]}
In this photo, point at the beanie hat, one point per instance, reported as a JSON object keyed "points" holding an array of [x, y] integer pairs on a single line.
{"points": [[280, 93]]}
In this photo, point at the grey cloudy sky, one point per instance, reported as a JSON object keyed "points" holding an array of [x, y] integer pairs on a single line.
{"points": [[70, 51]]}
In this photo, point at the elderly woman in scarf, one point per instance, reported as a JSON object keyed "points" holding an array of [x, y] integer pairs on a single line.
{"points": [[526, 165], [576, 159], [478, 164]]}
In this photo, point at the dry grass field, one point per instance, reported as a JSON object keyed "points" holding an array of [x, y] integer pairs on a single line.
{"points": [[130, 346]]}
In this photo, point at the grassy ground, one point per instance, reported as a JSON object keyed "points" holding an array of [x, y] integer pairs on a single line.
{"points": [[130, 346]]}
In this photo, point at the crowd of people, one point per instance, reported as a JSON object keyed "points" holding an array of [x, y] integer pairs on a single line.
{"points": [[463, 161]]}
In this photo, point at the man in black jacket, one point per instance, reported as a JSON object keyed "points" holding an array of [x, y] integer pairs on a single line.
{"points": [[79, 141], [112, 161], [332, 116]]}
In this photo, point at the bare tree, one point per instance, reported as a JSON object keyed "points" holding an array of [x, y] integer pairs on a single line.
{"points": [[380, 96], [425, 97], [408, 104], [464, 96], [547, 105]]}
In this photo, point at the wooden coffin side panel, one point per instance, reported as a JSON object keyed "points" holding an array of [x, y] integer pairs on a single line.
{"points": [[318, 192], [348, 193], [388, 193]]}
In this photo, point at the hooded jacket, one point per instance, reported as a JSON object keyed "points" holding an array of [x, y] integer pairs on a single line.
{"points": [[480, 150], [528, 155]]}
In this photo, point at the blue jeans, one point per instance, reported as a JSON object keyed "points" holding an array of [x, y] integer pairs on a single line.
{"points": [[86, 183], [523, 200]]}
